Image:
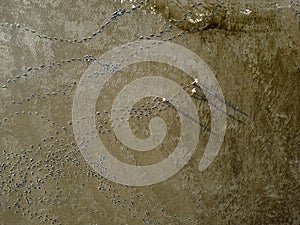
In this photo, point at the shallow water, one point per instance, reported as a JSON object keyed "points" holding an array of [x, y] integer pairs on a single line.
{"points": [[44, 178]]}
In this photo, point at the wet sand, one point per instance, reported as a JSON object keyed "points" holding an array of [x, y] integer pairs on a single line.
{"points": [[44, 179]]}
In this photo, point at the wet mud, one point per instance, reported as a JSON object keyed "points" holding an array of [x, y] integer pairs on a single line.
{"points": [[251, 46]]}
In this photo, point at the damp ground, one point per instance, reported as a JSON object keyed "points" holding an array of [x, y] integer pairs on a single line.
{"points": [[251, 46]]}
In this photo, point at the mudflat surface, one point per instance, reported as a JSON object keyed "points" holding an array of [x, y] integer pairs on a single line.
{"points": [[253, 49]]}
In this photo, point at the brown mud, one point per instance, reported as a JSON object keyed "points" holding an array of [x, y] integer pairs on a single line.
{"points": [[255, 56]]}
